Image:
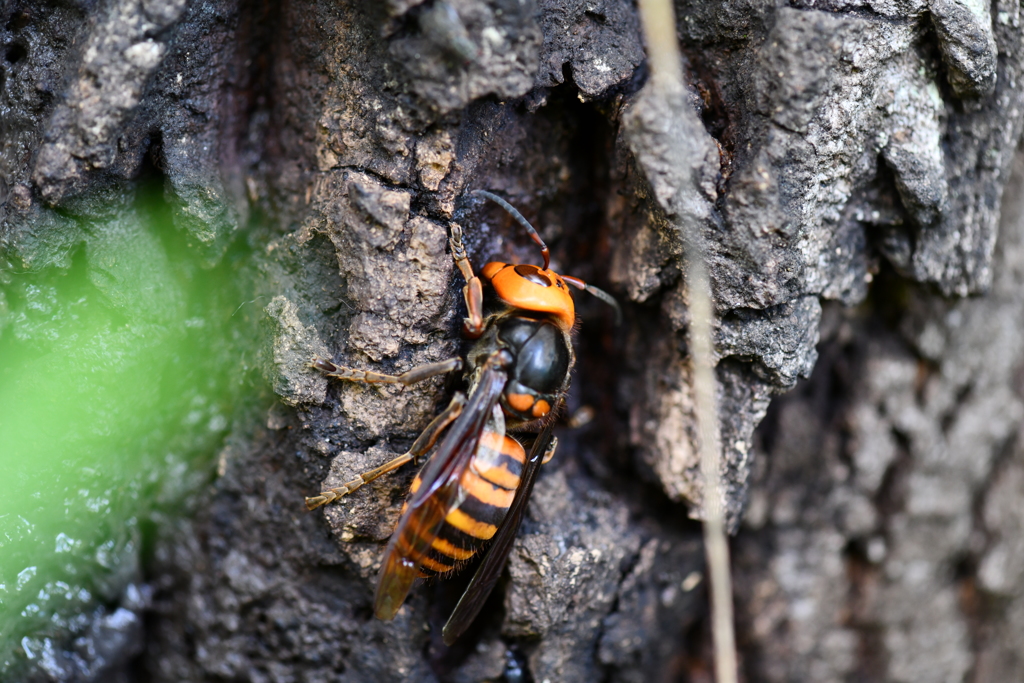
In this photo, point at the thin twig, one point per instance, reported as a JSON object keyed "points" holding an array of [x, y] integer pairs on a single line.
{"points": [[716, 545], [666, 76]]}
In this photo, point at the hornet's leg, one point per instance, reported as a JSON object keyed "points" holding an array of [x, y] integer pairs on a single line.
{"points": [[473, 291], [550, 452], [417, 374], [582, 417], [419, 447]]}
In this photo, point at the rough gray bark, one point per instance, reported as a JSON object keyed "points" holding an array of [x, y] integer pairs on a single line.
{"points": [[851, 152]]}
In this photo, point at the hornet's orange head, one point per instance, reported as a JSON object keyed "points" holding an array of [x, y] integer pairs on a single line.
{"points": [[531, 288]]}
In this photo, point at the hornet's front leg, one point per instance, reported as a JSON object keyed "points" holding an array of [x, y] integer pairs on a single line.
{"points": [[473, 291]]}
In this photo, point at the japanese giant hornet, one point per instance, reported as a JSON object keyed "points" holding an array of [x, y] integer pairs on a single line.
{"points": [[475, 486]]}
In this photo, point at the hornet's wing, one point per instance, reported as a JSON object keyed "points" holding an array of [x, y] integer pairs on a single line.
{"points": [[490, 569], [437, 493]]}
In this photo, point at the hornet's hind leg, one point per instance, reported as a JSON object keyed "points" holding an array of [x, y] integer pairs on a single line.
{"points": [[419, 447]]}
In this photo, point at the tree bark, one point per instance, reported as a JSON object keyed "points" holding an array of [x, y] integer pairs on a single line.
{"points": [[854, 168]]}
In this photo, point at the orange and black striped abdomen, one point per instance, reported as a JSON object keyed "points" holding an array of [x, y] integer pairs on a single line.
{"points": [[487, 488]]}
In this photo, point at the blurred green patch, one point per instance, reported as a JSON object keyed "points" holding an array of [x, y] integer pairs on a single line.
{"points": [[120, 379]]}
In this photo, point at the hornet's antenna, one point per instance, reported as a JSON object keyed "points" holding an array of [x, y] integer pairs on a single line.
{"points": [[545, 252]]}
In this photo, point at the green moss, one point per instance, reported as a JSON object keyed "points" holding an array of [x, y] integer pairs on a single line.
{"points": [[120, 377]]}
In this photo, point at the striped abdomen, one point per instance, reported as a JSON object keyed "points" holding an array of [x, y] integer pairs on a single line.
{"points": [[487, 486]]}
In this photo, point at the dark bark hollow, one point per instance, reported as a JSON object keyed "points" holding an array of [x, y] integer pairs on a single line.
{"points": [[851, 153]]}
